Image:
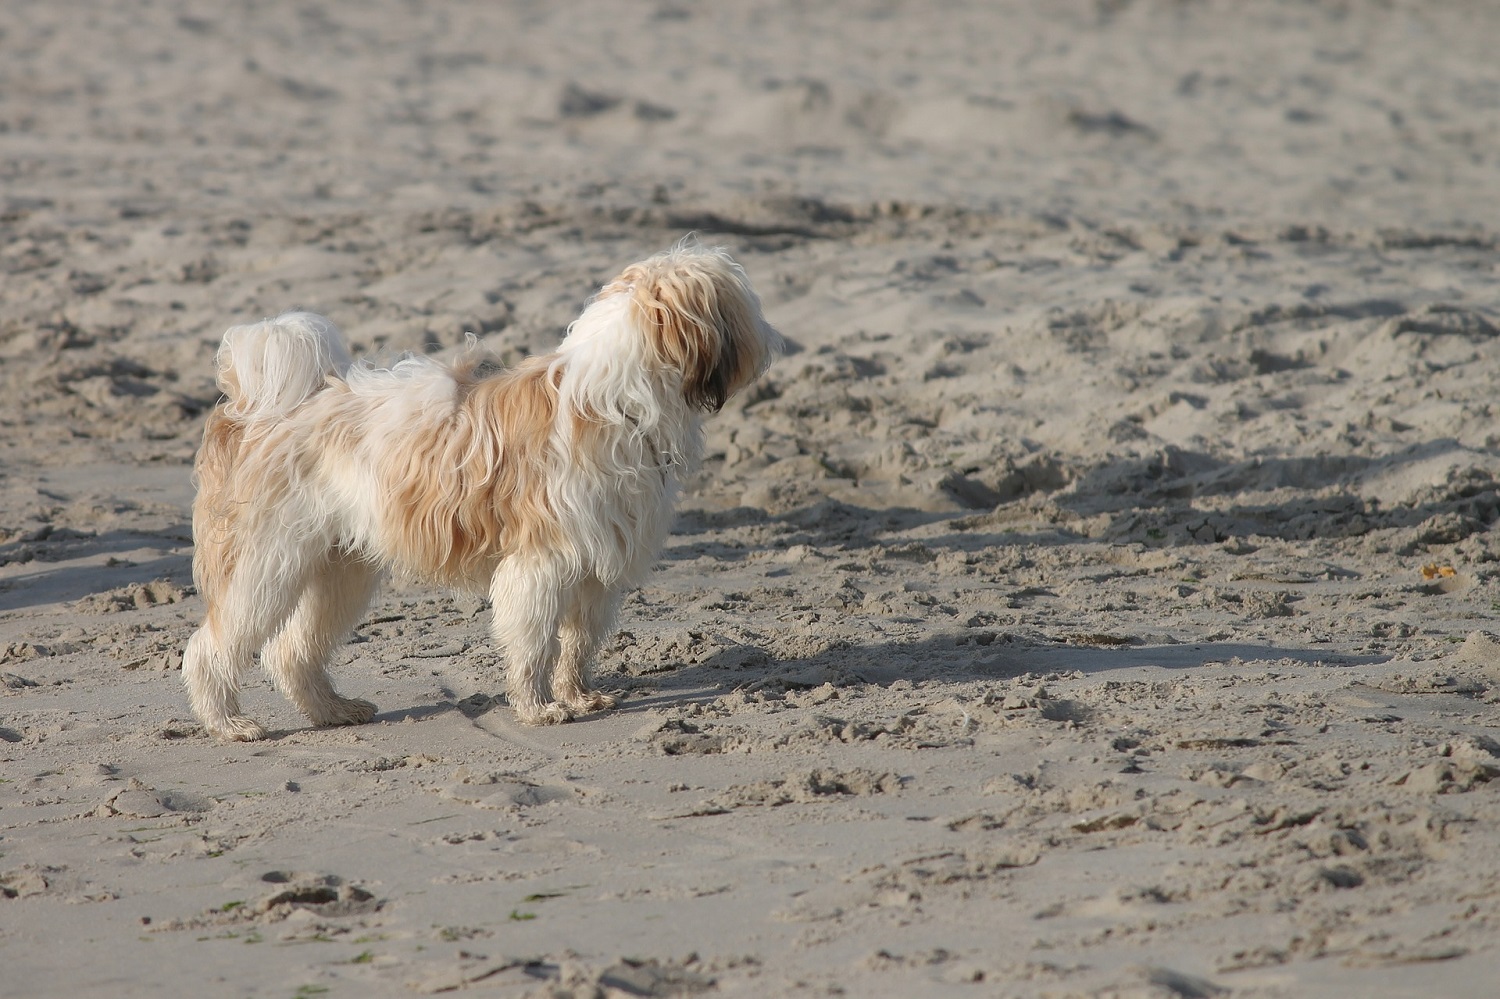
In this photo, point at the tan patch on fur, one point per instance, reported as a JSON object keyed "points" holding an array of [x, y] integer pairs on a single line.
{"points": [[240, 476], [477, 490], [213, 513]]}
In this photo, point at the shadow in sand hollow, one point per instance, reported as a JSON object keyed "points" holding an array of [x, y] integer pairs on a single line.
{"points": [[1146, 495], [833, 526], [1178, 496], [1169, 498], [62, 571]]}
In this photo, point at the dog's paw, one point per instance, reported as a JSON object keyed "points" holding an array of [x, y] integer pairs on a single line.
{"points": [[345, 711], [236, 728], [550, 713], [588, 701]]}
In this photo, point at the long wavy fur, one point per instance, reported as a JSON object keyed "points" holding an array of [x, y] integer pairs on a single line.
{"points": [[549, 485]]}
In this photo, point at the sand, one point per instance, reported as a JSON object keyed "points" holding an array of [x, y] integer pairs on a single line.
{"points": [[1097, 602]]}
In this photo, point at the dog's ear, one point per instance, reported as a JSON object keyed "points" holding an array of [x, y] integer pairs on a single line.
{"points": [[705, 322], [705, 356]]}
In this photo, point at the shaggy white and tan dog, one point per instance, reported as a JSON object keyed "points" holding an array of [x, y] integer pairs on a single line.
{"points": [[550, 486]]}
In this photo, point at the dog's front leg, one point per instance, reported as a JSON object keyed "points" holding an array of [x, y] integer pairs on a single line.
{"points": [[526, 594]]}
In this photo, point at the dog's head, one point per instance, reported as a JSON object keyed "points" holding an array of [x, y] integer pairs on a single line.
{"points": [[702, 320]]}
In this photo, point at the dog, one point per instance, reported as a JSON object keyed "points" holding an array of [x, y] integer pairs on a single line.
{"points": [[549, 485]]}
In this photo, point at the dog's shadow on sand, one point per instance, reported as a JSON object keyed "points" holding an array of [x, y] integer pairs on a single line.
{"points": [[951, 659], [930, 664]]}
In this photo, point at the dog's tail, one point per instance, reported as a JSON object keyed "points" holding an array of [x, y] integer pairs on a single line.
{"points": [[269, 368]]}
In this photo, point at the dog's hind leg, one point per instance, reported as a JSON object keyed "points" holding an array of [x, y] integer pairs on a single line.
{"points": [[337, 591], [526, 595], [245, 607], [586, 621], [211, 673]]}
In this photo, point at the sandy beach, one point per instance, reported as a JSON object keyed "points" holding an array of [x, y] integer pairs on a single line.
{"points": [[1099, 600]]}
